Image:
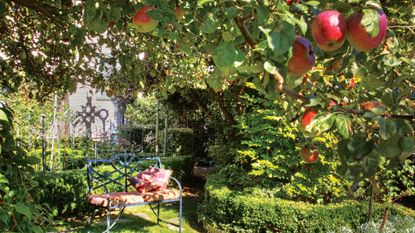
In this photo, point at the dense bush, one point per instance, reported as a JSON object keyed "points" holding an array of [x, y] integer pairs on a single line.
{"points": [[255, 210], [19, 211], [69, 158], [268, 157], [179, 140], [65, 191]]}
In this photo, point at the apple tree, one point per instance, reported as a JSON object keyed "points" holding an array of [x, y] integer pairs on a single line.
{"points": [[350, 62]]}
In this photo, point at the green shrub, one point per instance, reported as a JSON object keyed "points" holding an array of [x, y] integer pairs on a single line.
{"points": [[182, 166], [179, 140], [254, 210], [269, 155], [64, 192]]}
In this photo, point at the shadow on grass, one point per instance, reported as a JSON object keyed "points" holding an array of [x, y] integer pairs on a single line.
{"points": [[141, 219]]}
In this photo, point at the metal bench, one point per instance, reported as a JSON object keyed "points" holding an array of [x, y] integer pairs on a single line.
{"points": [[111, 190]]}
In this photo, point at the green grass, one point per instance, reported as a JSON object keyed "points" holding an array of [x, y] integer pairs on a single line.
{"points": [[141, 219]]}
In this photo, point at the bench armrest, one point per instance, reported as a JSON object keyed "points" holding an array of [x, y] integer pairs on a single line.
{"points": [[178, 184]]}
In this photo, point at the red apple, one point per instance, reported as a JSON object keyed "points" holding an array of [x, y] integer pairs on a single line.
{"points": [[142, 21], [179, 13], [371, 105], [329, 30], [351, 84], [309, 156], [307, 117], [331, 104], [359, 38], [303, 57], [289, 2]]}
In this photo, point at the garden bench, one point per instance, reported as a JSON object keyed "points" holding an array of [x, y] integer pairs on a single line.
{"points": [[110, 189]]}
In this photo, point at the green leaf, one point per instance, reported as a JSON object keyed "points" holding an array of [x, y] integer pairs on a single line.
{"points": [[4, 217], [280, 41], [270, 68], [116, 13], [227, 36], [224, 55], [343, 125], [359, 147], [3, 116], [387, 98], [322, 123], [215, 82], [32, 160], [315, 101], [390, 147], [209, 24], [24, 209], [262, 14], [203, 2], [341, 6], [407, 144], [370, 21], [371, 82], [3, 179], [387, 128], [312, 3], [404, 127]]}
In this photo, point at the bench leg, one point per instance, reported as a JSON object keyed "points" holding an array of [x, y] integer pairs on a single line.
{"points": [[180, 214], [158, 213], [108, 220]]}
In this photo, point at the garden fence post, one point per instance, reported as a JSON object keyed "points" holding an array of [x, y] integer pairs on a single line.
{"points": [[55, 107], [165, 133], [157, 128], [43, 143]]}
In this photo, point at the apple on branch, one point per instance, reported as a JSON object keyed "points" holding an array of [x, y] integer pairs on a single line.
{"points": [[309, 156], [179, 13], [307, 117], [351, 84], [142, 21], [289, 2], [329, 30], [358, 35], [303, 57]]}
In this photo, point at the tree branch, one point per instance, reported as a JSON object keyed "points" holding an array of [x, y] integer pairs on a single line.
{"points": [[225, 111], [240, 22], [45, 9]]}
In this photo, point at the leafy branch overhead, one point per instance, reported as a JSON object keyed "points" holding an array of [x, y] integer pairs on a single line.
{"points": [[342, 67]]}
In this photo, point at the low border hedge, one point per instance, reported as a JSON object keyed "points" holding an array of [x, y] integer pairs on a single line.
{"points": [[254, 211]]}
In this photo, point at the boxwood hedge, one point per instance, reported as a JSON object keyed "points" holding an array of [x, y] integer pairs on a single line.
{"points": [[255, 211]]}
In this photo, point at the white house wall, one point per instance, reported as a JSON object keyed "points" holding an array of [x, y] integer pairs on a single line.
{"points": [[95, 119]]}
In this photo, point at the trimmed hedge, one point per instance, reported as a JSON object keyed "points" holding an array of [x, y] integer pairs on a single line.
{"points": [[255, 211], [180, 141], [65, 191]]}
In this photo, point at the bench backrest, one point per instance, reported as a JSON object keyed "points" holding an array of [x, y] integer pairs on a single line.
{"points": [[111, 174]]}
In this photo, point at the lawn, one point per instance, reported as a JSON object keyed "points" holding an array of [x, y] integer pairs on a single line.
{"points": [[141, 219]]}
